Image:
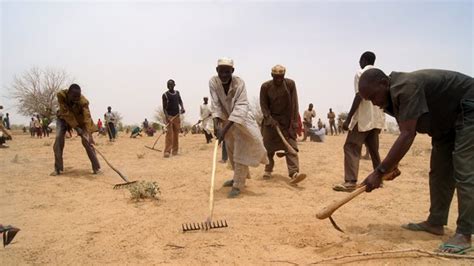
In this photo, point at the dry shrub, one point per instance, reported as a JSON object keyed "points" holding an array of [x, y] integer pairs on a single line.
{"points": [[144, 190]]}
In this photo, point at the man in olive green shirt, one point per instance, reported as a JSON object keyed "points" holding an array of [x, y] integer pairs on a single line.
{"points": [[74, 113], [441, 104]]}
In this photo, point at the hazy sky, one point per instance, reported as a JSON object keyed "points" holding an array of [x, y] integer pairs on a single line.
{"points": [[122, 53]]}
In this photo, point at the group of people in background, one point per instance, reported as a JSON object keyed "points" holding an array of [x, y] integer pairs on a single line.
{"points": [[39, 127]]}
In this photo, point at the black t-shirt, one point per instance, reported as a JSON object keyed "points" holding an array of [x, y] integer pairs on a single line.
{"points": [[172, 100], [431, 96]]}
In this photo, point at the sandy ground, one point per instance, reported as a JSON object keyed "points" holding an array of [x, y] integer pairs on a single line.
{"points": [[77, 218]]}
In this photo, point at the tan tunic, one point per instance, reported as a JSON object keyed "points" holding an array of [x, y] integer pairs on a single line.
{"points": [[281, 104], [243, 138]]}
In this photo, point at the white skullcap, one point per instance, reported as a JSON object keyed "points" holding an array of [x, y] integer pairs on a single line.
{"points": [[225, 61]]}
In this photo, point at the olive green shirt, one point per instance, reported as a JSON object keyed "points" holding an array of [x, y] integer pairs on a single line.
{"points": [[430, 96]]}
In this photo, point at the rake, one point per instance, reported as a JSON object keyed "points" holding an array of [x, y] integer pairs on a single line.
{"points": [[208, 224], [116, 186], [159, 136]]}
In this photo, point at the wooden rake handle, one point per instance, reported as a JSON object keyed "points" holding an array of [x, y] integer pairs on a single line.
{"points": [[105, 159], [331, 208], [159, 136], [285, 142], [213, 177]]}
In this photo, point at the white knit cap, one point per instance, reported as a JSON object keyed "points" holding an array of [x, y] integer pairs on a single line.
{"points": [[225, 61]]}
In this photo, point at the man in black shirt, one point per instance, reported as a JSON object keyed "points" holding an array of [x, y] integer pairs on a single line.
{"points": [[441, 104], [171, 107]]}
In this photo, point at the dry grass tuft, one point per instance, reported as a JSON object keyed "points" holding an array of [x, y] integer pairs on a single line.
{"points": [[144, 190]]}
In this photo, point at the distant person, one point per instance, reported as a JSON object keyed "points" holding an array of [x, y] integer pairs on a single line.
{"points": [[32, 127], [364, 122], [136, 131], [110, 120], [308, 120], [145, 124], [235, 124], [38, 127], [45, 126], [441, 104], [100, 127], [74, 113], [172, 107], [4, 133], [340, 128], [206, 119], [6, 121], [317, 134], [320, 123], [332, 122], [279, 105]]}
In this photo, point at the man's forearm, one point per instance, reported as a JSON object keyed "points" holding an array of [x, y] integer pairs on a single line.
{"points": [[398, 150]]}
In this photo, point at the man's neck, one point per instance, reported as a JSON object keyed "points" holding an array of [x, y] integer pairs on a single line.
{"points": [[226, 87]]}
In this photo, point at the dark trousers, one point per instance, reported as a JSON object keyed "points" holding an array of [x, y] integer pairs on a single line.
{"points": [[225, 157], [208, 137], [292, 161], [452, 167], [332, 125], [45, 131], [352, 150], [111, 131], [61, 129]]}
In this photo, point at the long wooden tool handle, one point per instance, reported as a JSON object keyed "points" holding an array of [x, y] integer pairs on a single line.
{"points": [[105, 159], [172, 118], [288, 146], [331, 208], [111, 166], [213, 177]]}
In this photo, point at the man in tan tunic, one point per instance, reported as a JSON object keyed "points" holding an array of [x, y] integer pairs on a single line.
{"points": [[332, 122], [279, 104], [235, 124]]}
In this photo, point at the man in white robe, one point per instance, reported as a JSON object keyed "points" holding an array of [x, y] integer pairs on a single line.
{"points": [[235, 124], [206, 119]]}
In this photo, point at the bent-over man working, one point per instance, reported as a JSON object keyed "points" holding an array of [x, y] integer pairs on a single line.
{"points": [[441, 104], [74, 113]]}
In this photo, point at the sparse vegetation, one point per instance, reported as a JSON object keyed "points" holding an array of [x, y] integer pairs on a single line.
{"points": [[144, 190]]}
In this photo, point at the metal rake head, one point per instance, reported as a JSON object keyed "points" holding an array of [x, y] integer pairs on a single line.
{"points": [[204, 226]]}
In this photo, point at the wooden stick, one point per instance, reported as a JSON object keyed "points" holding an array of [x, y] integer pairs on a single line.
{"points": [[365, 254], [213, 177], [105, 159], [285, 142], [331, 208], [159, 136]]}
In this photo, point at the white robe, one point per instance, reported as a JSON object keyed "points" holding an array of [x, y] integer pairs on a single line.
{"points": [[206, 120], [244, 139]]}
